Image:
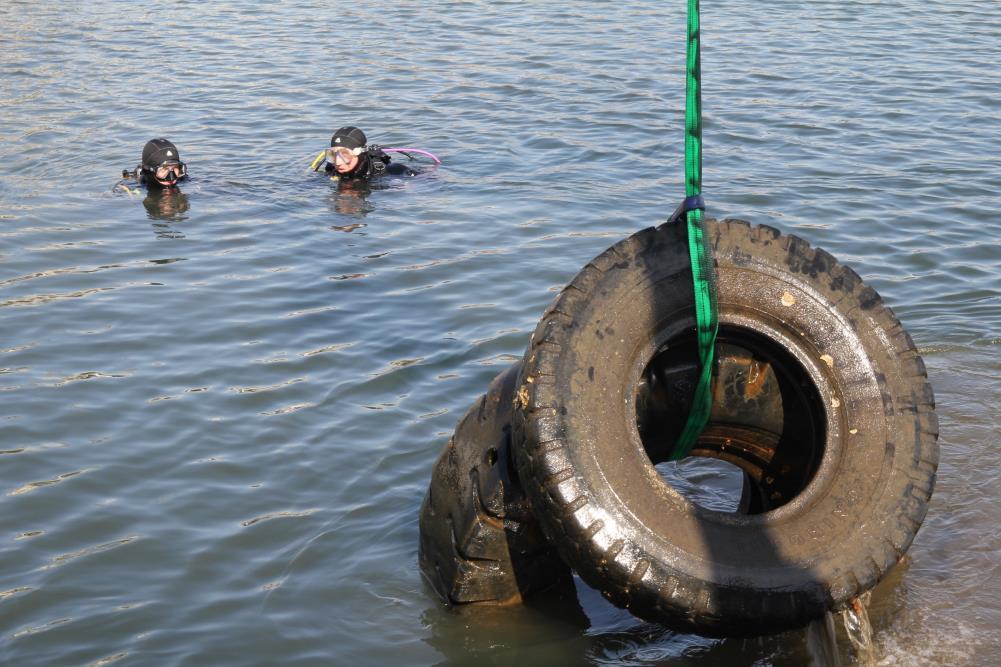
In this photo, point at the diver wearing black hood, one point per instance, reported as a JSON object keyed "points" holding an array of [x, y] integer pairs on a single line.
{"points": [[161, 165], [350, 157]]}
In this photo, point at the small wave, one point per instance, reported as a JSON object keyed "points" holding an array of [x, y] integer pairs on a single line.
{"points": [[277, 515], [34, 486]]}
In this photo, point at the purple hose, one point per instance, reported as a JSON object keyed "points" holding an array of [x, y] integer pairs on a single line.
{"points": [[412, 150]]}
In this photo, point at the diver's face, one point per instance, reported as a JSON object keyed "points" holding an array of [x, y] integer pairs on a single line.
{"points": [[344, 160]]}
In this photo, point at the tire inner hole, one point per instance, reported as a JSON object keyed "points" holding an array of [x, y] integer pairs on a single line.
{"points": [[766, 432]]}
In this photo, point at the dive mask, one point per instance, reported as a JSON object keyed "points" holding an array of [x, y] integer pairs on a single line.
{"points": [[170, 172], [337, 154]]}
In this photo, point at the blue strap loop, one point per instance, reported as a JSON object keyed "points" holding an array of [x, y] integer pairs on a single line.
{"points": [[695, 202]]}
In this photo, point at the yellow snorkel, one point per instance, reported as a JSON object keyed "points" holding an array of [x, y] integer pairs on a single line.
{"points": [[319, 160]]}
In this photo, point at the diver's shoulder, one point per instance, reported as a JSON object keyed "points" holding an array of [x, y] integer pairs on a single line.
{"points": [[397, 169]]}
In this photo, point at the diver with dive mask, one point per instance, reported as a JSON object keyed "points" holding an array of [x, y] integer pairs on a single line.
{"points": [[351, 157], [161, 165]]}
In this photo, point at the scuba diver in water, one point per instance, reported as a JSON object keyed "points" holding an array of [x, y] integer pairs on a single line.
{"points": [[351, 158], [161, 165], [160, 170]]}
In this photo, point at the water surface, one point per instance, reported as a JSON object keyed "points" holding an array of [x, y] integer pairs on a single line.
{"points": [[220, 412]]}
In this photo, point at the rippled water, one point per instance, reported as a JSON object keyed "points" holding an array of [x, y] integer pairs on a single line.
{"points": [[219, 414]]}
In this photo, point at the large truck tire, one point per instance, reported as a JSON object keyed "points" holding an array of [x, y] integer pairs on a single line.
{"points": [[820, 398]]}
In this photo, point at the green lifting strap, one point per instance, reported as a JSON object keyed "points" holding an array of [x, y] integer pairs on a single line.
{"points": [[699, 248]]}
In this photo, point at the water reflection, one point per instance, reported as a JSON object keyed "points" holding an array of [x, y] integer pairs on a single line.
{"points": [[547, 630], [166, 205], [351, 198]]}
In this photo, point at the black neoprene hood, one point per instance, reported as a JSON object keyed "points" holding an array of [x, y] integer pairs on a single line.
{"points": [[349, 137], [159, 151]]}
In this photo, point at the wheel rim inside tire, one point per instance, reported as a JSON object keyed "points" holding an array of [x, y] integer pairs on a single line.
{"points": [[767, 416]]}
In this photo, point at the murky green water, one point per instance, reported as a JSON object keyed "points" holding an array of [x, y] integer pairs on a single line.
{"points": [[218, 416]]}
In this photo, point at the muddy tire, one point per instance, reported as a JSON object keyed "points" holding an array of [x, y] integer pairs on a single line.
{"points": [[819, 397], [479, 542]]}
